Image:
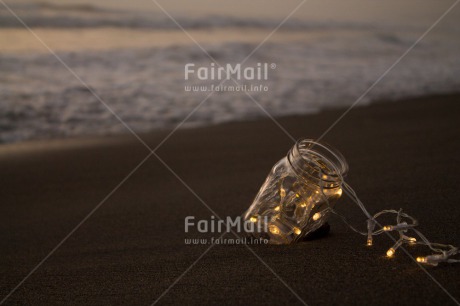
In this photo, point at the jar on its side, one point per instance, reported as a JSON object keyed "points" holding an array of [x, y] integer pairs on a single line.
{"points": [[298, 193]]}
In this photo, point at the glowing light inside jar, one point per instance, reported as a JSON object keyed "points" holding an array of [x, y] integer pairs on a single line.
{"points": [[274, 229], [282, 192]]}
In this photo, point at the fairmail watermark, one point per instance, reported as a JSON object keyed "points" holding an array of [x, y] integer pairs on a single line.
{"points": [[227, 72], [227, 241], [229, 224], [247, 78], [242, 228], [226, 88]]}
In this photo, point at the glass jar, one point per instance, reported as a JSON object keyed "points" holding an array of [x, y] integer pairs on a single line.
{"points": [[298, 193]]}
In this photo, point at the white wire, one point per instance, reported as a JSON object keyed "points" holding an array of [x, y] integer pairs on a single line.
{"points": [[404, 224]]}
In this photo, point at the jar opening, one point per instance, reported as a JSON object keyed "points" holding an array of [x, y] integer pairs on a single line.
{"points": [[318, 161]]}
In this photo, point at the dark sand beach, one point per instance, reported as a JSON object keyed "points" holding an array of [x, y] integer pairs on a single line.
{"points": [[401, 154]]}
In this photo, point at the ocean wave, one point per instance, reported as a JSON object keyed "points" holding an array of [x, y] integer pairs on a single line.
{"points": [[146, 87], [47, 15]]}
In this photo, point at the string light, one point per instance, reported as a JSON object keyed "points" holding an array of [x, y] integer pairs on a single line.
{"points": [[370, 229], [400, 226], [274, 229], [282, 192], [339, 192], [410, 240], [443, 252], [421, 259], [404, 224], [390, 252], [435, 259], [369, 241], [314, 172]]}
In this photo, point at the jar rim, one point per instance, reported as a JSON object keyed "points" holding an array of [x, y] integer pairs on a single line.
{"points": [[335, 161]]}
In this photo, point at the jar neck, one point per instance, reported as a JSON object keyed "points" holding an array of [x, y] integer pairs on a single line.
{"points": [[318, 163]]}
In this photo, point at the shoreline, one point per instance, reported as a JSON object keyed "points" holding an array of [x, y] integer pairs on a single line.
{"points": [[106, 39], [118, 138]]}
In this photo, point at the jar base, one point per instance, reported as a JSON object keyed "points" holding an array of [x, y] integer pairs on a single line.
{"points": [[321, 232]]}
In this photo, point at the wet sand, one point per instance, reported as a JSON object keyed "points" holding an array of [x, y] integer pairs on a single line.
{"points": [[21, 41]]}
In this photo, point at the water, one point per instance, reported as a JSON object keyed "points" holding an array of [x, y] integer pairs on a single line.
{"points": [[134, 59]]}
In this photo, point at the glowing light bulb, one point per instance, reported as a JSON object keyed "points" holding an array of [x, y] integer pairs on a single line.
{"points": [[390, 252], [339, 192], [412, 240], [253, 219], [297, 195], [274, 229], [399, 226], [277, 208], [316, 216], [421, 259], [433, 260], [297, 230], [369, 241], [282, 192], [303, 205]]}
